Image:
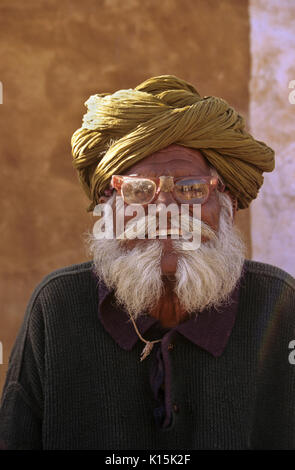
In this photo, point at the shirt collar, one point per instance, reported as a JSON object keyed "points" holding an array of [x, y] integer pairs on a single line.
{"points": [[209, 330]]}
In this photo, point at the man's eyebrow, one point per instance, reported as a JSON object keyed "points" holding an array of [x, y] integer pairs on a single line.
{"points": [[152, 174], [144, 175]]}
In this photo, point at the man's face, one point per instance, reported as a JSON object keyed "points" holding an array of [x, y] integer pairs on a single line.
{"points": [[137, 269], [176, 161]]}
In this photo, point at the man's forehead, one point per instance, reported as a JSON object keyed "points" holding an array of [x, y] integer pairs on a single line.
{"points": [[172, 159]]}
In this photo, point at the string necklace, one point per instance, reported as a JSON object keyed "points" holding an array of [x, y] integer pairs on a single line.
{"points": [[149, 344]]}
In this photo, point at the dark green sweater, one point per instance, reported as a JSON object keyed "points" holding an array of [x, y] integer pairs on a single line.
{"points": [[70, 386]]}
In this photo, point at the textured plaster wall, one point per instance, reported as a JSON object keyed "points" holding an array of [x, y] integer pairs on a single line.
{"points": [[272, 117], [53, 56]]}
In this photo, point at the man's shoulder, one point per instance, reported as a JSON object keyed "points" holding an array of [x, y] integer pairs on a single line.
{"points": [[273, 273], [268, 296], [72, 277], [73, 269]]}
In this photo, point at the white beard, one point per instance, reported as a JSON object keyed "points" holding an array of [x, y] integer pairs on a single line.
{"points": [[204, 277]]}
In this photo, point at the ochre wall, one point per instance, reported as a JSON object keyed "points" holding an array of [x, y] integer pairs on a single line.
{"points": [[54, 55]]}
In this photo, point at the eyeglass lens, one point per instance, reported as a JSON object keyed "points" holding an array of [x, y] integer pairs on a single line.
{"points": [[142, 191]]}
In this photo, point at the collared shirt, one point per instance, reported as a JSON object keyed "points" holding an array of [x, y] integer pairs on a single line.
{"points": [[70, 385], [209, 330]]}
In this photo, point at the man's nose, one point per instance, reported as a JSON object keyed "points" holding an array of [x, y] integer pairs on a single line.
{"points": [[165, 197], [163, 200]]}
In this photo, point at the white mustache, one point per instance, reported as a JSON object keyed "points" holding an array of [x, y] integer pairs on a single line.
{"points": [[150, 226]]}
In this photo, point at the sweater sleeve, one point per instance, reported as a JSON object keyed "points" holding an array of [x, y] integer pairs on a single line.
{"points": [[21, 408]]}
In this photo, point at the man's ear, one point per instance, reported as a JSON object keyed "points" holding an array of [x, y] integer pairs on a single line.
{"points": [[102, 199], [235, 207], [106, 196], [234, 202]]}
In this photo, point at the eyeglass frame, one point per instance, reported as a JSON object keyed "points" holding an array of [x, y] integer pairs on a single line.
{"points": [[167, 183]]}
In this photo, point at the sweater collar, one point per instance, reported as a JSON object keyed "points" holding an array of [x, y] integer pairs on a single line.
{"points": [[209, 330]]}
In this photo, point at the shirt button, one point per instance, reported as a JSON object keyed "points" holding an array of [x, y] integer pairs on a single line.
{"points": [[176, 408], [170, 347]]}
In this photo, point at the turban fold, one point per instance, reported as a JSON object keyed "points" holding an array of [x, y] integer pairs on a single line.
{"points": [[122, 128]]}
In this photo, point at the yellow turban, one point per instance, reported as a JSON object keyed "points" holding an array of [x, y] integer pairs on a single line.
{"points": [[122, 128]]}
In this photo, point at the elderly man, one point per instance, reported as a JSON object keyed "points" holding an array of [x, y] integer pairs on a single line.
{"points": [[159, 343]]}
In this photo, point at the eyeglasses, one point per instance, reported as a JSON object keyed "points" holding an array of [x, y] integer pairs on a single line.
{"points": [[185, 189]]}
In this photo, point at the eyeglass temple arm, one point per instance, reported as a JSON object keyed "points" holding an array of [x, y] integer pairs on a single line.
{"points": [[116, 182]]}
